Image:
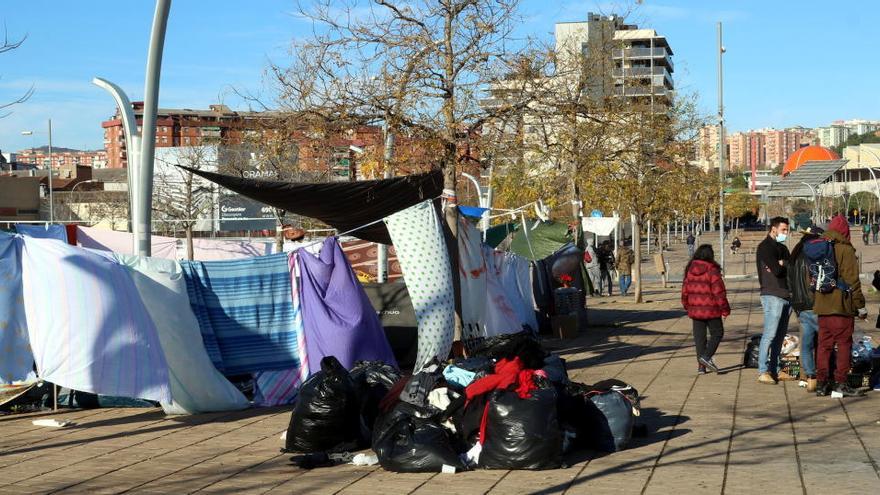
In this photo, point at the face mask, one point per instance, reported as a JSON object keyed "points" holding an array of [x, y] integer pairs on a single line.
{"points": [[781, 237]]}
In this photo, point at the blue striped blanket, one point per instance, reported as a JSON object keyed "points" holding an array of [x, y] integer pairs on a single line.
{"points": [[245, 312]]}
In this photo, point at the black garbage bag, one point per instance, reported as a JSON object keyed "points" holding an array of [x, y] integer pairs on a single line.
{"points": [[612, 428], [405, 443], [508, 346], [372, 380], [467, 419], [326, 416], [522, 433], [477, 364], [555, 368], [602, 416], [750, 358]]}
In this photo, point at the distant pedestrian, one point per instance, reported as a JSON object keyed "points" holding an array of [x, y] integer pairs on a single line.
{"points": [[802, 300], [606, 265], [772, 260], [704, 297], [625, 259], [735, 245], [591, 264], [837, 309], [866, 232], [691, 243], [875, 229]]}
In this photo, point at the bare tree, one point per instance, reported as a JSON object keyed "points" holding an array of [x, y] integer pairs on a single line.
{"points": [[5, 46], [180, 197]]}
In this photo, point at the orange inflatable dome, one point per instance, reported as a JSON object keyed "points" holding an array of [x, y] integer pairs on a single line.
{"points": [[807, 154]]}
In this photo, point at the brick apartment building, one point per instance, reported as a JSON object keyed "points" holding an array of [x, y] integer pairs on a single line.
{"points": [[62, 158], [758, 149], [221, 125]]}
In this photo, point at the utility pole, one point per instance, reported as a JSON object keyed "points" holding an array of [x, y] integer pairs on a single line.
{"points": [[382, 249], [721, 146], [51, 197]]}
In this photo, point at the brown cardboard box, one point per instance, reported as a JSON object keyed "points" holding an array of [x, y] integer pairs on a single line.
{"points": [[565, 326]]}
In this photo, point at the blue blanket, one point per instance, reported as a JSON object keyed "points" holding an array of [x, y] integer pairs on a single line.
{"points": [[245, 312]]}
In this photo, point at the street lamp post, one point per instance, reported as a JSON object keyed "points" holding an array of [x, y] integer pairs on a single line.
{"points": [[51, 197], [721, 146]]}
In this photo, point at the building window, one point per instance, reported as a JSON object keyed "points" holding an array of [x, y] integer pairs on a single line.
{"points": [[186, 140]]}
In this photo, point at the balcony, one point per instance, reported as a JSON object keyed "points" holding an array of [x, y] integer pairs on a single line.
{"points": [[656, 91], [643, 54]]}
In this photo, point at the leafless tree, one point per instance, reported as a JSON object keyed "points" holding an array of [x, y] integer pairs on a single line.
{"points": [[180, 197], [5, 46]]}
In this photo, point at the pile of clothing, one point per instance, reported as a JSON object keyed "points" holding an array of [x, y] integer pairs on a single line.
{"points": [[509, 405]]}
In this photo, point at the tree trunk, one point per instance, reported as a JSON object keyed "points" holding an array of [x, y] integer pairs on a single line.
{"points": [[451, 217], [279, 240], [637, 266], [189, 242]]}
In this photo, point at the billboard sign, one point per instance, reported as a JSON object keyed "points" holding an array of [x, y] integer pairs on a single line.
{"points": [[241, 213]]}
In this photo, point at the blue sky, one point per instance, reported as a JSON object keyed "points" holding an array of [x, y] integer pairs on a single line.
{"points": [[788, 62]]}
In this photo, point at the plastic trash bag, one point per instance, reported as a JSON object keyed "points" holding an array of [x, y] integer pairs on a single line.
{"points": [[614, 426], [522, 433], [326, 416], [407, 444], [521, 344], [372, 380], [555, 368]]}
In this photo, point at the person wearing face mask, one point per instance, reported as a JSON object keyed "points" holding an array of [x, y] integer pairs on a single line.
{"points": [[772, 260]]}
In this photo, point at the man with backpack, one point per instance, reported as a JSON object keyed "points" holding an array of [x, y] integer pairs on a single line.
{"points": [[772, 261], [839, 300], [606, 264], [591, 264], [802, 300]]}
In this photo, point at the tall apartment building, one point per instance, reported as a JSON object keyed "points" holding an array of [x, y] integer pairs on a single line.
{"points": [[760, 148], [640, 65], [707, 148], [837, 133]]}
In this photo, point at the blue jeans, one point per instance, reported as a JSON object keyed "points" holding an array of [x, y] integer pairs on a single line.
{"points": [[809, 333], [776, 313], [625, 282]]}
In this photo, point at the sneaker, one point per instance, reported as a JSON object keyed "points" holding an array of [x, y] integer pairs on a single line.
{"points": [[785, 377], [812, 385], [701, 370], [709, 364], [848, 391], [766, 379], [823, 389]]}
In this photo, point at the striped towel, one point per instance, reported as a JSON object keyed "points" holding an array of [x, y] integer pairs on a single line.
{"points": [[276, 388], [94, 333], [16, 360], [245, 312]]}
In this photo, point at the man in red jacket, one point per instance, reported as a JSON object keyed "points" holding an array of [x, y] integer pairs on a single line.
{"points": [[704, 297]]}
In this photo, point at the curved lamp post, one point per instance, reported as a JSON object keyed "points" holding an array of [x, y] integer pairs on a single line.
{"points": [[142, 146]]}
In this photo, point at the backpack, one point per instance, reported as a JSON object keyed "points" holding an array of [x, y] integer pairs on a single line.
{"points": [[822, 266]]}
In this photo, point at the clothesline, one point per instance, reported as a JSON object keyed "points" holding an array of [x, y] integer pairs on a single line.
{"points": [[349, 231]]}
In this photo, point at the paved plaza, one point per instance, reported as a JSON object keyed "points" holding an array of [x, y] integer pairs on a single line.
{"points": [[707, 434]]}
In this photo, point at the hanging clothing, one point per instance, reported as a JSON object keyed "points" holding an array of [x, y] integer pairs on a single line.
{"points": [[281, 387], [121, 242], [342, 205], [42, 231], [227, 249], [500, 300], [245, 312], [424, 260], [474, 281], [16, 359], [196, 385], [517, 282], [96, 335], [338, 317]]}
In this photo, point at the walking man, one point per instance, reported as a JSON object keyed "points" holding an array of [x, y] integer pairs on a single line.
{"points": [[875, 229], [691, 243], [837, 309], [625, 259], [802, 303], [772, 261], [591, 264], [866, 231]]}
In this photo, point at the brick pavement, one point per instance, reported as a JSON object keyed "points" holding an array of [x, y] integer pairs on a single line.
{"points": [[708, 434]]}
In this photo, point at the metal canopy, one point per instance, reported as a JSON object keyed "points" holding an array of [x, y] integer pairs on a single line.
{"points": [[802, 182]]}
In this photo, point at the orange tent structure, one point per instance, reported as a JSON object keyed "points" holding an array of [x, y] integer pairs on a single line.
{"points": [[807, 154]]}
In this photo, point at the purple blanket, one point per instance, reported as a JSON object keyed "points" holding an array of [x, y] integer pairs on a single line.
{"points": [[337, 315]]}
